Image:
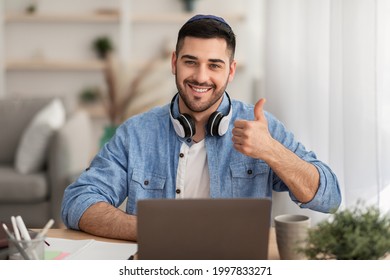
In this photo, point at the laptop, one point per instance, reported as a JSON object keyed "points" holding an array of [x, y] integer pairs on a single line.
{"points": [[203, 229]]}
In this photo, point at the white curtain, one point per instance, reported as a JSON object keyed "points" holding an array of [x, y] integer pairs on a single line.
{"points": [[327, 77]]}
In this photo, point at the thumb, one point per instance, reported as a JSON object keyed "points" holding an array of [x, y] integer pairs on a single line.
{"points": [[258, 110]]}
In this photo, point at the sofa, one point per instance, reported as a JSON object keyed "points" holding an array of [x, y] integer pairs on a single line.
{"points": [[60, 143]]}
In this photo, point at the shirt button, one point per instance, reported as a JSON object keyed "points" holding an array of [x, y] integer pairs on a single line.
{"points": [[189, 140], [178, 191], [249, 171], [146, 182], [181, 155]]}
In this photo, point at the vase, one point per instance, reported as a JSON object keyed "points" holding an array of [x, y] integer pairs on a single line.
{"points": [[108, 133]]}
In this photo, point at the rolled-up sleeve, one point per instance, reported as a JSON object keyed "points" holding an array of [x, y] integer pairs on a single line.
{"points": [[328, 197]]}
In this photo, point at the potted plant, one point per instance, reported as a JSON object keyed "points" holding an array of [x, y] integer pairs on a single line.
{"points": [[90, 95], [351, 234], [32, 7], [102, 46], [189, 5], [119, 93]]}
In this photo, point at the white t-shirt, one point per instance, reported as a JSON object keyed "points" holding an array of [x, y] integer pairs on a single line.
{"points": [[193, 179]]}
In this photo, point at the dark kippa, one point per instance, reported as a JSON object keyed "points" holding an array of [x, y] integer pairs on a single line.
{"points": [[200, 17]]}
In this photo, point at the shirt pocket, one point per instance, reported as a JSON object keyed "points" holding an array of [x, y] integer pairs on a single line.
{"points": [[250, 179], [145, 184]]}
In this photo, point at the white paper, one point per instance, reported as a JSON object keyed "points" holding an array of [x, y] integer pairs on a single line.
{"points": [[90, 249]]}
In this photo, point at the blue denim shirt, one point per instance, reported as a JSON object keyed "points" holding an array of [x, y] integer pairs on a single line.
{"points": [[141, 160]]}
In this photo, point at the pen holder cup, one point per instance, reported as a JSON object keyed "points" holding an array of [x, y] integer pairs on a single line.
{"points": [[33, 249]]}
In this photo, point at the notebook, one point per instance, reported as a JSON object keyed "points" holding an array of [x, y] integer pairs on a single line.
{"points": [[203, 229]]}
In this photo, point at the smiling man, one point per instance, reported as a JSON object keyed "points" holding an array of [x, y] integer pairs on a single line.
{"points": [[203, 69], [201, 145]]}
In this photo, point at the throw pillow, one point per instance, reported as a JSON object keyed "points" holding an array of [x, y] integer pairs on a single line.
{"points": [[32, 150]]}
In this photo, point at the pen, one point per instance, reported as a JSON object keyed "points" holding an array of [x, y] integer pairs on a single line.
{"points": [[12, 239], [45, 229], [31, 232], [42, 233]]}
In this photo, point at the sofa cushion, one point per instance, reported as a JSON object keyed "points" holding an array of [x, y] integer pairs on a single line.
{"points": [[15, 187], [15, 115], [32, 150]]}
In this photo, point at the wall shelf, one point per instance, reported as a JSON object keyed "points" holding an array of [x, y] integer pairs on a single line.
{"points": [[175, 18], [62, 18], [96, 110], [106, 18], [42, 65]]}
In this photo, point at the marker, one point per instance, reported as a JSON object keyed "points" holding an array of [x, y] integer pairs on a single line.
{"points": [[22, 228], [12, 239], [15, 227], [26, 236]]}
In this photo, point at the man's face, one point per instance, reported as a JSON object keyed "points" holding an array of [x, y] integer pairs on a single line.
{"points": [[202, 69]]}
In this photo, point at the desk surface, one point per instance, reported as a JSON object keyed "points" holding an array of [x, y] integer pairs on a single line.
{"points": [[273, 253]]}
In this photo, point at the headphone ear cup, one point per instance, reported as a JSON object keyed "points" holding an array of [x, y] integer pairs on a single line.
{"points": [[188, 125], [213, 123]]}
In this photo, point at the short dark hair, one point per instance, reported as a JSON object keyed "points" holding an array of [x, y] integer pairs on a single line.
{"points": [[207, 27]]}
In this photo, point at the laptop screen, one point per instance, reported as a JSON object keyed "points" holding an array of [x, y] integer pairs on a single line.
{"points": [[208, 229]]}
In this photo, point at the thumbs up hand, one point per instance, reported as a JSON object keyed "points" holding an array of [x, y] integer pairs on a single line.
{"points": [[252, 138]]}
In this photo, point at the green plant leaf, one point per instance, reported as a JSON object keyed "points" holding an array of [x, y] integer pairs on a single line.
{"points": [[352, 234]]}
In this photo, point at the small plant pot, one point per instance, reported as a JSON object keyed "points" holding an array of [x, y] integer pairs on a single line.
{"points": [[189, 5], [102, 46]]}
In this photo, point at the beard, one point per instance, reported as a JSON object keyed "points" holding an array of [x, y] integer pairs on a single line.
{"points": [[194, 103]]}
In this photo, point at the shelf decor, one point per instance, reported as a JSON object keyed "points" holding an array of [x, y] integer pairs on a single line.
{"points": [[102, 46], [90, 95], [189, 5], [119, 93], [32, 8]]}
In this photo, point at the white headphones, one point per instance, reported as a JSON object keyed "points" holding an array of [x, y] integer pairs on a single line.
{"points": [[217, 124]]}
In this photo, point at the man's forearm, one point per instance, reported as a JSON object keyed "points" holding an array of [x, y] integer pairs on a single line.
{"points": [[301, 177], [103, 219]]}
